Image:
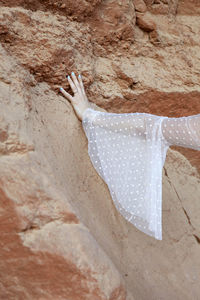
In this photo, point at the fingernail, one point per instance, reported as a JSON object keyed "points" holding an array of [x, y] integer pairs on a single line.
{"points": [[72, 73], [79, 76], [68, 77], [61, 88]]}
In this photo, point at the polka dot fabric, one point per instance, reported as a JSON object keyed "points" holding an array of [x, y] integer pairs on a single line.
{"points": [[184, 131], [128, 151]]}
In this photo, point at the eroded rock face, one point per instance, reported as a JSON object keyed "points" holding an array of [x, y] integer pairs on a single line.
{"points": [[47, 253], [145, 22], [140, 5], [61, 236]]}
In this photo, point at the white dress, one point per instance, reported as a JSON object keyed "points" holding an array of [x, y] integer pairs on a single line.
{"points": [[128, 151]]}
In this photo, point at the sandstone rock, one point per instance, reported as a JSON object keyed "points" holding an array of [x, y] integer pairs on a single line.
{"points": [[140, 6], [113, 24], [76, 10], [41, 235], [149, 2], [145, 21], [61, 235]]}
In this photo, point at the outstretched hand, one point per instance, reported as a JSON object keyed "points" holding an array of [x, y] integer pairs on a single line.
{"points": [[79, 100]]}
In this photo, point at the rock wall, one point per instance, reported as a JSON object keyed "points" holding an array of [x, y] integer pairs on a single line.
{"points": [[61, 235]]}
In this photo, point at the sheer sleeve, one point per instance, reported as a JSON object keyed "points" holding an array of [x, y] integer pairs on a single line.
{"points": [[183, 131], [116, 122], [128, 151]]}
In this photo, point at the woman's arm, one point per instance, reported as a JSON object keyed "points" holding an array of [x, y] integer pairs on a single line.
{"points": [[183, 131], [117, 122]]}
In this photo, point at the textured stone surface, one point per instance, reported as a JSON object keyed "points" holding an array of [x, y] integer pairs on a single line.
{"points": [[46, 251], [61, 235], [140, 5], [145, 21]]}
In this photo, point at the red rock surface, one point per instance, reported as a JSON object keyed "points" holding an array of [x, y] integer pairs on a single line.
{"points": [[61, 235], [140, 5], [145, 21]]}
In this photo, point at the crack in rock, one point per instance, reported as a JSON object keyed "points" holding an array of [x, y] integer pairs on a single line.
{"points": [[197, 238], [187, 216]]}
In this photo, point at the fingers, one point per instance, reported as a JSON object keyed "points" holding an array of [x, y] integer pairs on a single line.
{"points": [[73, 86], [76, 82], [81, 85], [67, 95], [76, 86]]}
